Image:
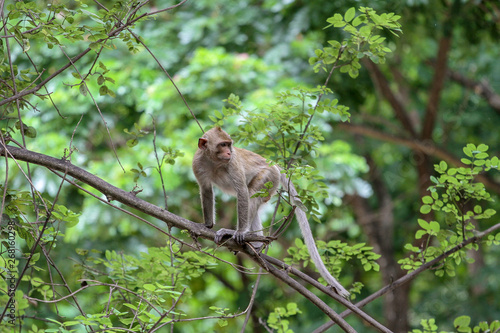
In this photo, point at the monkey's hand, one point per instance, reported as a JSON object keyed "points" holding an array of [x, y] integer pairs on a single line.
{"points": [[221, 233]]}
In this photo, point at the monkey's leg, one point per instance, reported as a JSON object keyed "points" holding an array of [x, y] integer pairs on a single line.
{"points": [[256, 228]]}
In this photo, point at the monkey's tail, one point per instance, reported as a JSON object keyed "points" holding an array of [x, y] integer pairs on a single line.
{"points": [[313, 252], [309, 240]]}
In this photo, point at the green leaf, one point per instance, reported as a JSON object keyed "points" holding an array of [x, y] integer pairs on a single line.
{"points": [[35, 257], [427, 200], [339, 24], [36, 282], [293, 308], [482, 147], [299, 243], [434, 226], [425, 209], [489, 212], [461, 322], [149, 287], [103, 91], [81, 252], [452, 171], [423, 224], [30, 132], [132, 143], [83, 90], [365, 31], [481, 155], [358, 20], [420, 233], [133, 307], [434, 180], [349, 15]]}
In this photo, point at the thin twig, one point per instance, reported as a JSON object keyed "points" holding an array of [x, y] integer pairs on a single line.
{"points": [[159, 164], [299, 142], [166, 313]]}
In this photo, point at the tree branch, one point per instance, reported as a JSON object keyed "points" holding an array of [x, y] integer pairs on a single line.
{"points": [[110, 191], [410, 276], [482, 88], [426, 147], [436, 88], [327, 291], [382, 84], [280, 274]]}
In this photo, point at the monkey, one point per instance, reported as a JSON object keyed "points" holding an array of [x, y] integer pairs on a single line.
{"points": [[242, 173]]}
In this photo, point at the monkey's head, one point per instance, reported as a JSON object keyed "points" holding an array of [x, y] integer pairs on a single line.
{"points": [[217, 144]]}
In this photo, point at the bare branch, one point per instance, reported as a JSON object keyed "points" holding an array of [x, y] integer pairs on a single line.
{"points": [[382, 84], [436, 88], [482, 88], [424, 146]]}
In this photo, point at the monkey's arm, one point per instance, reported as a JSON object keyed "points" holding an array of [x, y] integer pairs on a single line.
{"points": [[208, 203]]}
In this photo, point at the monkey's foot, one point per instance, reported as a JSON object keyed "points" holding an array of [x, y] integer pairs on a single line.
{"points": [[239, 237], [221, 233]]}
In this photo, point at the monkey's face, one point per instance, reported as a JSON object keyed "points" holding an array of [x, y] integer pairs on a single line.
{"points": [[217, 145], [224, 151]]}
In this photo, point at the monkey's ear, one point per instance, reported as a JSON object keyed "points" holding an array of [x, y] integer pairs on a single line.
{"points": [[202, 143]]}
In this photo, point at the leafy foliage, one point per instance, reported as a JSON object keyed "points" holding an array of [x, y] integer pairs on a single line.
{"points": [[363, 40], [277, 319], [457, 196], [461, 324], [334, 253], [144, 288]]}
